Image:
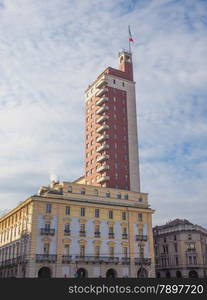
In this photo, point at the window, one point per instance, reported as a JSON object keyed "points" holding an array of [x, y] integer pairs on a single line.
{"points": [[123, 215], [114, 81], [97, 228], [176, 261], [124, 230], [82, 250], [48, 208], [83, 191], [97, 250], [116, 166], [47, 226], [67, 228], [97, 213], [111, 251], [67, 249], [67, 210], [111, 229], [189, 236], [96, 192], [140, 217], [125, 251], [46, 248], [107, 194], [176, 247], [118, 196], [110, 214], [82, 211], [140, 199], [126, 197], [141, 251], [82, 227], [122, 83]]}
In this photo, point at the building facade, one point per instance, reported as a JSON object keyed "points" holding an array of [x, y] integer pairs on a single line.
{"points": [[180, 250], [77, 230], [111, 143]]}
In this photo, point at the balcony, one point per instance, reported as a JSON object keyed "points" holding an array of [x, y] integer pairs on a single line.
{"points": [[102, 157], [125, 260], [104, 99], [66, 259], [103, 179], [102, 91], [97, 234], [102, 109], [111, 235], [142, 261], [82, 233], [141, 237], [102, 168], [49, 258], [102, 148], [66, 232], [97, 259], [102, 138], [102, 128], [47, 231], [102, 119], [124, 236], [101, 83]]}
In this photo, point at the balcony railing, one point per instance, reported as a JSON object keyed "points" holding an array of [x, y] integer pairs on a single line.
{"points": [[124, 236], [102, 168], [142, 261], [102, 128], [102, 100], [66, 259], [111, 235], [82, 233], [102, 119], [50, 258], [97, 259], [47, 231], [101, 92], [102, 138], [102, 157], [102, 148], [102, 109], [97, 234], [125, 260], [141, 237], [66, 232], [101, 83], [103, 179]]}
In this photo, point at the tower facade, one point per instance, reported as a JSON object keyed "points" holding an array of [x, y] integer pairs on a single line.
{"points": [[111, 142]]}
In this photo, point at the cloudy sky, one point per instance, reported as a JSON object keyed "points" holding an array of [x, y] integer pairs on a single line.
{"points": [[49, 53]]}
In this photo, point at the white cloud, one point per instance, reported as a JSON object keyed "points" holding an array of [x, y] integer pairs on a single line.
{"points": [[51, 51]]}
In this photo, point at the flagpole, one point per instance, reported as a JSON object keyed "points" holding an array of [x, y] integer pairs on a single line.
{"points": [[129, 39]]}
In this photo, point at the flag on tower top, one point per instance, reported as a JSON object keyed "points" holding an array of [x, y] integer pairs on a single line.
{"points": [[130, 35]]}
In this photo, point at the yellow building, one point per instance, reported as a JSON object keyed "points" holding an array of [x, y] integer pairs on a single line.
{"points": [[77, 230]]}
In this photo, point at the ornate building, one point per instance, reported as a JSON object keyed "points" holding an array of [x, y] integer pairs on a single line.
{"points": [[75, 230], [180, 249]]}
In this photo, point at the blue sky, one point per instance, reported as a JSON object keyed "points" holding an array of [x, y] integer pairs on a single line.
{"points": [[51, 51]]}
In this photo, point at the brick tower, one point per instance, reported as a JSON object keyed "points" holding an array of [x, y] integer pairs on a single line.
{"points": [[111, 143]]}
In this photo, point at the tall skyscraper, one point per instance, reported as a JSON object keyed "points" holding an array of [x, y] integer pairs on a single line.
{"points": [[111, 143]]}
